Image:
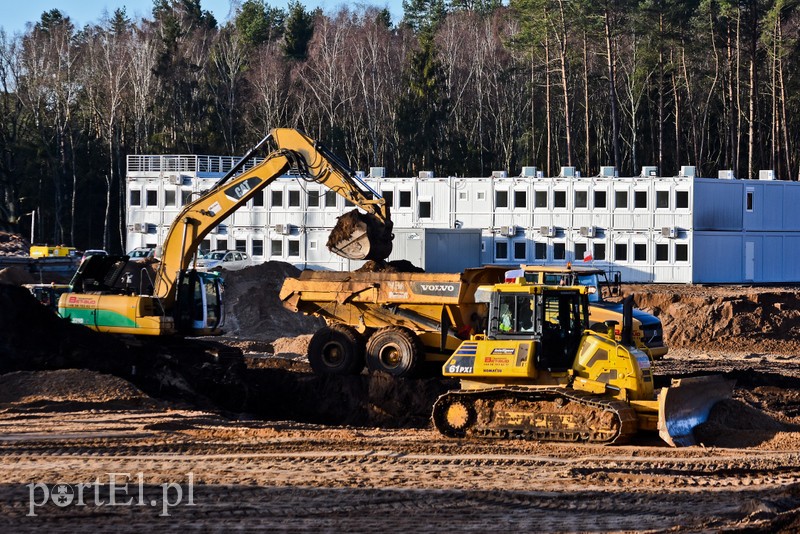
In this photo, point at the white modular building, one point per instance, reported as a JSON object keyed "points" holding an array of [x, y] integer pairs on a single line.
{"points": [[679, 229]]}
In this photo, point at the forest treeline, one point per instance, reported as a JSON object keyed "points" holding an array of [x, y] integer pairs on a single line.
{"points": [[459, 87]]}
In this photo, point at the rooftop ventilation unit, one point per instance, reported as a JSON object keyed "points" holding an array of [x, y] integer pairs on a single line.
{"points": [[176, 179], [426, 174], [726, 175], [499, 174], [360, 174], [529, 172], [687, 171], [567, 172], [140, 228], [608, 172], [377, 172], [766, 175], [588, 231], [649, 171]]}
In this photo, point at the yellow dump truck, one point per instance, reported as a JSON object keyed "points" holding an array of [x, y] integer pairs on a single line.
{"points": [[392, 322]]}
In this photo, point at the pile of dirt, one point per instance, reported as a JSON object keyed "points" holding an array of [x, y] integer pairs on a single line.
{"points": [[253, 309], [733, 424], [724, 317], [13, 245], [78, 385]]}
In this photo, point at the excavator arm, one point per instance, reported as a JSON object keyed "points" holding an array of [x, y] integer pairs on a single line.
{"points": [[356, 236]]}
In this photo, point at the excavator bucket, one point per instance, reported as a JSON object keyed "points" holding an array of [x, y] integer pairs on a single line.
{"points": [[686, 404], [361, 236]]}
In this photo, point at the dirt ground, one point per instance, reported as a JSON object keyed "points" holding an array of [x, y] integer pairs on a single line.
{"points": [[237, 433]]}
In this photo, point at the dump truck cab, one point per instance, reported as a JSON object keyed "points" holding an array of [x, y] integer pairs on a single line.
{"points": [[647, 328]]}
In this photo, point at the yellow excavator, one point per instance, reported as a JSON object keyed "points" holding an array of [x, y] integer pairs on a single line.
{"points": [[539, 372], [182, 300]]}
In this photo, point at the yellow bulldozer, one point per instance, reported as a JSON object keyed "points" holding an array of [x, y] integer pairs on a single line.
{"points": [[539, 372]]}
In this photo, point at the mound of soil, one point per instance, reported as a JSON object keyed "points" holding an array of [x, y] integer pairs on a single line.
{"points": [[394, 266], [724, 317], [253, 309], [16, 276], [13, 245], [77, 385]]}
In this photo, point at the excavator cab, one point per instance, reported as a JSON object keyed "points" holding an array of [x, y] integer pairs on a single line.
{"points": [[199, 306]]}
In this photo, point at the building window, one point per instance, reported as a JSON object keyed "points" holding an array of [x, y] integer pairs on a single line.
{"points": [[405, 199], [258, 247], [501, 250], [424, 209], [681, 199], [540, 251], [682, 252], [620, 199], [662, 252], [640, 199], [559, 251], [462, 195], [294, 199], [520, 250], [520, 199], [599, 251], [481, 195], [241, 245], [186, 197], [152, 197], [540, 199], [621, 252], [258, 200], [639, 252], [388, 198], [580, 251], [135, 197], [169, 197], [581, 199], [312, 245], [294, 247], [662, 199], [599, 199], [749, 199], [330, 199], [313, 198], [501, 199], [276, 247], [559, 199], [277, 199]]}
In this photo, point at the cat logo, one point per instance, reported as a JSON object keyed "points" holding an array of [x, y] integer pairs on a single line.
{"points": [[236, 192]]}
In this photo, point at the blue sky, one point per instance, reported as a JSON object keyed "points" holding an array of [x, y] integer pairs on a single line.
{"points": [[16, 13]]}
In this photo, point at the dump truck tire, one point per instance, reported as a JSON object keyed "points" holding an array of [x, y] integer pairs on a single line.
{"points": [[394, 350], [336, 349]]}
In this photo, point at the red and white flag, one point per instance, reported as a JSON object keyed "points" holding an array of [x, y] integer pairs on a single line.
{"points": [[587, 256]]}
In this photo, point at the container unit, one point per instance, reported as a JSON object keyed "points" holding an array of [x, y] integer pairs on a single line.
{"points": [[405, 201], [511, 203], [433, 207], [672, 257], [473, 202]]}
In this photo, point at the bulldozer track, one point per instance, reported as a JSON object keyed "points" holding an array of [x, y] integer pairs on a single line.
{"points": [[487, 419]]}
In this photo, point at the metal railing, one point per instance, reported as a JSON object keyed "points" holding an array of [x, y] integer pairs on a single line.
{"points": [[185, 163]]}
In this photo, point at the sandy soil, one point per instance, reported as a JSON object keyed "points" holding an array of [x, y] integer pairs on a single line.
{"points": [[237, 433]]}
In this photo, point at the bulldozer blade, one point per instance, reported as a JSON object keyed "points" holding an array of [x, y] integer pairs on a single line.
{"points": [[686, 404], [360, 236]]}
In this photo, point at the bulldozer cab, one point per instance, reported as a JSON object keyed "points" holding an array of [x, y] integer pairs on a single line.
{"points": [[555, 317]]}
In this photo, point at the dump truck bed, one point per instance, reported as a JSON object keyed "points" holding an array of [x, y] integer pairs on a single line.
{"points": [[438, 307]]}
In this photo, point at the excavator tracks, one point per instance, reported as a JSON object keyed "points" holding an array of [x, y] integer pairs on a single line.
{"points": [[542, 414]]}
